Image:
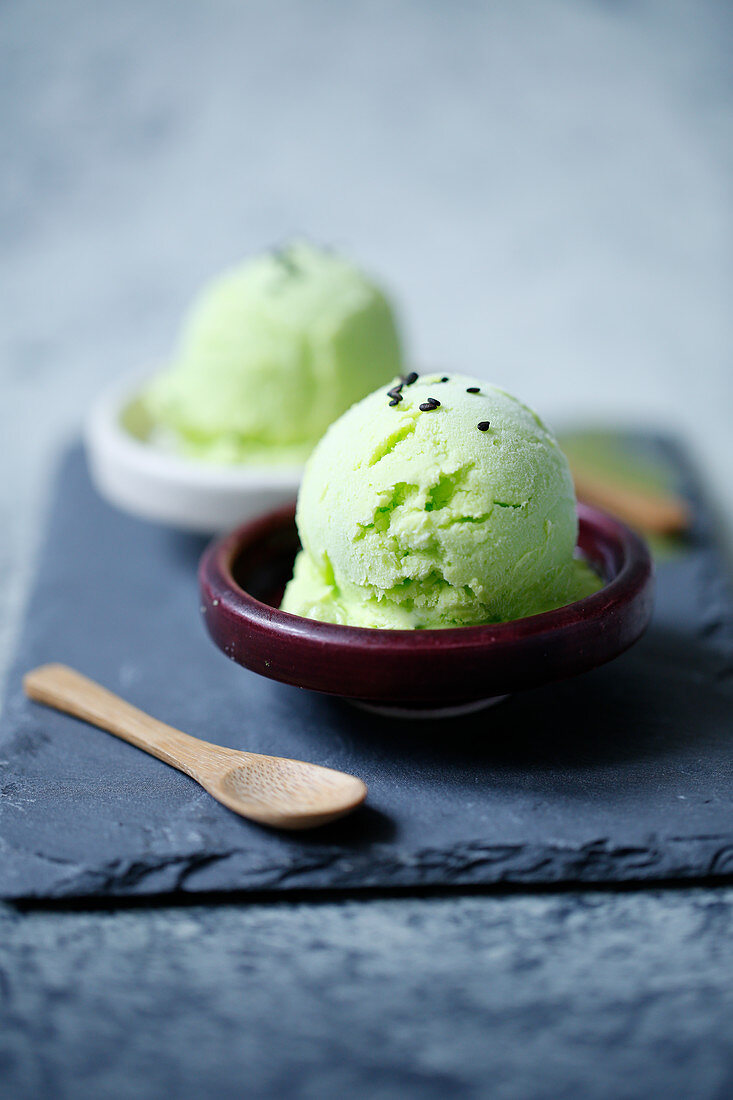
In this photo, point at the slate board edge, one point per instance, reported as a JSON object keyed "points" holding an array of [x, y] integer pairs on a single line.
{"points": [[669, 859]]}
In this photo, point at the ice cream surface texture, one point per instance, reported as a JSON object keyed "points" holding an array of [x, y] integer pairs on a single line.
{"points": [[271, 354], [444, 502]]}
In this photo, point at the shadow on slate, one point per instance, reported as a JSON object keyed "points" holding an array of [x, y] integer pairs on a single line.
{"points": [[621, 775]]}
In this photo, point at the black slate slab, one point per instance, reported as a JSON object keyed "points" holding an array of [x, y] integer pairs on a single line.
{"points": [[623, 774]]}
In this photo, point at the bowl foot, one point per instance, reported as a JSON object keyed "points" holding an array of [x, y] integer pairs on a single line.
{"points": [[428, 712]]}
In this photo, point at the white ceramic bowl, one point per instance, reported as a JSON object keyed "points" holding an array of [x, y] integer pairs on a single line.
{"points": [[140, 476]]}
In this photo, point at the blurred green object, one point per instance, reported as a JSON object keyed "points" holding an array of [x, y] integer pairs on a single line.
{"points": [[271, 353], [617, 471], [607, 453]]}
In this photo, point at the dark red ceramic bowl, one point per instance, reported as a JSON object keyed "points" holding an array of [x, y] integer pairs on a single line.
{"points": [[242, 577]]}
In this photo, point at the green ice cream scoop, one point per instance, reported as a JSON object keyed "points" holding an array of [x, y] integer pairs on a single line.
{"points": [[444, 502], [271, 354]]}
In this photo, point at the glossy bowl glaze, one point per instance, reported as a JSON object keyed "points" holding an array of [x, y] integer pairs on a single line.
{"points": [[242, 577]]}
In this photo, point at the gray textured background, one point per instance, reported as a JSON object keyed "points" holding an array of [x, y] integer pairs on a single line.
{"points": [[613, 997], [546, 186]]}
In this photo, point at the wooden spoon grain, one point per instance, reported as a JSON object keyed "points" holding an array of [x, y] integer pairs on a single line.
{"points": [[285, 794]]}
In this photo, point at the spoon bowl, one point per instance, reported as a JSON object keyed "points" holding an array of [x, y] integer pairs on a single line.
{"points": [[292, 794]]}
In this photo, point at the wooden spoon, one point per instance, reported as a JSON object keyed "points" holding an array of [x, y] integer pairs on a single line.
{"points": [[287, 794], [657, 512]]}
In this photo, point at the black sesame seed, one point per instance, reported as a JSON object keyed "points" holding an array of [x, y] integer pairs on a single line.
{"points": [[483, 425], [473, 389], [395, 401], [410, 378], [433, 401], [445, 378], [429, 406]]}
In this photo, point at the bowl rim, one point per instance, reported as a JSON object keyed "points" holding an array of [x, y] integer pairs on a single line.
{"points": [[222, 594]]}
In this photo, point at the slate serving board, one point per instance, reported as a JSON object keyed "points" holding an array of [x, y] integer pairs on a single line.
{"points": [[620, 775]]}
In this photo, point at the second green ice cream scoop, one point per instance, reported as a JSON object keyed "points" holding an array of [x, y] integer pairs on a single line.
{"points": [[271, 354], [442, 502]]}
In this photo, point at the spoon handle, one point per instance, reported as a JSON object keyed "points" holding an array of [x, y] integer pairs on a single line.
{"points": [[64, 689]]}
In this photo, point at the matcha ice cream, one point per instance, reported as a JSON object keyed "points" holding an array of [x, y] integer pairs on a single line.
{"points": [[439, 502], [272, 353]]}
